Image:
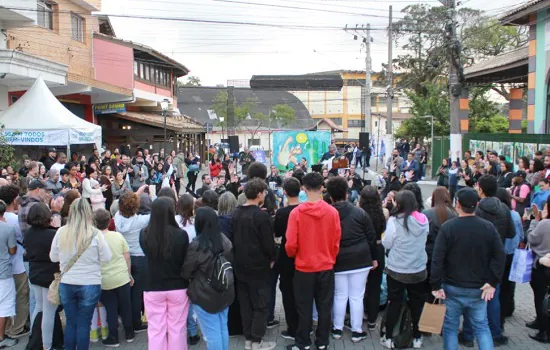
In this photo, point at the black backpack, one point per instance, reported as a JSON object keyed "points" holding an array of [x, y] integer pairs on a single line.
{"points": [[402, 336], [222, 274]]}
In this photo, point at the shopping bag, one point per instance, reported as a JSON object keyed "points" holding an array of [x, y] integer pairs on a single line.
{"points": [[522, 266], [431, 320]]}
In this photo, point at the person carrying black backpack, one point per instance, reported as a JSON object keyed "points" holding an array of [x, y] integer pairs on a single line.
{"points": [[212, 285]]}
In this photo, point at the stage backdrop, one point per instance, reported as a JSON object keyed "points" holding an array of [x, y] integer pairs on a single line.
{"points": [[290, 146]]}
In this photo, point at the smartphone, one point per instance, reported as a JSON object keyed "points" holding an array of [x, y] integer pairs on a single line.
{"points": [[529, 211]]}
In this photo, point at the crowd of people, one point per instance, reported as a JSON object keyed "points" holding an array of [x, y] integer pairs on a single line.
{"points": [[137, 246]]}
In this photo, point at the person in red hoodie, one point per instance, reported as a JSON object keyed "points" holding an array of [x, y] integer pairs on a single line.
{"points": [[313, 239], [215, 166]]}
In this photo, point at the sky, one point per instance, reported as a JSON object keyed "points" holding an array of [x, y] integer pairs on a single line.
{"points": [[259, 37]]}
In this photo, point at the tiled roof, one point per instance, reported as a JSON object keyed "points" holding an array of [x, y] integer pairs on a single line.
{"points": [[508, 15], [178, 122]]}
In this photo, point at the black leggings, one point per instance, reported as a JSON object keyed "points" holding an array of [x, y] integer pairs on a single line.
{"points": [[371, 301], [192, 177], [416, 294]]}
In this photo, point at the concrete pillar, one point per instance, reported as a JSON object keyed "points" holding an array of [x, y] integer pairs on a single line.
{"points": [[464, 111], [531, 77], [515, 113]]}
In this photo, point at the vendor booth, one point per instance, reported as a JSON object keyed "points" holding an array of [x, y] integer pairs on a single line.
{"points": [[39, 119]]}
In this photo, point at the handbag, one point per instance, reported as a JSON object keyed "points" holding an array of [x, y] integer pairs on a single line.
{"points": [[522, 266], [53, 290]]}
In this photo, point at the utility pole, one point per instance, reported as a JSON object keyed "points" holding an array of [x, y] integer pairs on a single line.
{"points": [[368, 117], [455, 86], [364, 32], [389, 112]]}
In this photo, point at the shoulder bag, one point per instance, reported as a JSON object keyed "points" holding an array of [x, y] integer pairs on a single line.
{"points": [[53, 290]]}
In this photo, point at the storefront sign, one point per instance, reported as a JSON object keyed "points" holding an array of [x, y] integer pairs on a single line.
{"points": [[36, 138], [107, 108]]}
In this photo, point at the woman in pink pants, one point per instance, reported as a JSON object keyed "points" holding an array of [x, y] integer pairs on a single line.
{"points": [[166, 303]]}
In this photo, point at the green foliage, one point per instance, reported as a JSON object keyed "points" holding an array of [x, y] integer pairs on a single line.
{"points": [[282, 114], [7, 152], [189, 81], [484, 114], [242, 111]]}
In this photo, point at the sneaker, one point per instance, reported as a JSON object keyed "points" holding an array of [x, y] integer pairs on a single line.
{"points": [[194, 340], [322, 347], [371, 326], [356, 337], [247, 344], [387, 343], [264, 345], [296, 347], [8, 342], [94, 335], [417, 343], [26, 330], [130, 337], [337, 334], [140, 329], [272, 324], [500, 341], [286, 335], [104, 333], [110, 342]]}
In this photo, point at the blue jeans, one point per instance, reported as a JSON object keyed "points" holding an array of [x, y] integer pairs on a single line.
{"points": [[213, 328], [467, 302], [191, 323], [493, 315], [79, 303]]}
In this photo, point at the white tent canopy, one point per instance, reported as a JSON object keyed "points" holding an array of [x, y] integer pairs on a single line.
{"points": [[39, 119]]}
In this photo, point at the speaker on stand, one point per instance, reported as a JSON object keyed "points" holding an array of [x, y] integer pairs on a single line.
{"points": [[234, 144]]}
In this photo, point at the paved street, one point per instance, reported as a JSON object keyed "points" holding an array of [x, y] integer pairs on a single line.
{"points": [[514, 329]]}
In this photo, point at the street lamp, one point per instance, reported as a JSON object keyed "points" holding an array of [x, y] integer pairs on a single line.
{"points": [[164, 105]]}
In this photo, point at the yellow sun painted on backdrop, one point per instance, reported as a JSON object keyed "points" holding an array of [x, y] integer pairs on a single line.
{"points": [[301, 138]]}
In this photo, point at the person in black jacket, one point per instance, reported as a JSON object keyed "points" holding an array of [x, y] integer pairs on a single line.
{"points": [[291, 188], [493, 210], [211, 306], [467, 266], [254, 249], [38, 240], [354, 261]]}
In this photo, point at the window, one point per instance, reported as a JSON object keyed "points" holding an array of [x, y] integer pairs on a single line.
{"points": [[356, 123], [136, 69], [44, 14], [156, 75], [337, 121], [77, 28], [147, 72]]}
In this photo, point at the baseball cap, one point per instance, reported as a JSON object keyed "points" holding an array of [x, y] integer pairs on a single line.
{"points": [[521, 173], [52, 149], [36, 184], [467, 198]]}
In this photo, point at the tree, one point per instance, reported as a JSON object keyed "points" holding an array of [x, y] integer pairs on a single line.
{"points": [[484, 114], [280, 115], [190, 81], [423, 35], [242, 111], [7, 152]]}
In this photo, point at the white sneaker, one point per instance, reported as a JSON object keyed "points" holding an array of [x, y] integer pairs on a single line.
{"points": [[387, 343], [264, 345], [417, 343], [247, 345]]}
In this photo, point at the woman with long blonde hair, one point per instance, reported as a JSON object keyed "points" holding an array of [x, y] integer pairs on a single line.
{"points": [[80, 248]]}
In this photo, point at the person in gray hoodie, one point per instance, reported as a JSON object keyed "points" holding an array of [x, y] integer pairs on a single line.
{"points": [[405, 238]]}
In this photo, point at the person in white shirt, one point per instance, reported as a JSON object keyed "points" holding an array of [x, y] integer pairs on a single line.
{"points": [[90, 185], [60, 162], [16, 326]]}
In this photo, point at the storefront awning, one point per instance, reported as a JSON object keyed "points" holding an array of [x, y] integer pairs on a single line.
{"points": [[509, 67], [181, 124]]}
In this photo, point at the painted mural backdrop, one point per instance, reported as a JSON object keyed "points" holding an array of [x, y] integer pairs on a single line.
{"points": [[290, 146]]}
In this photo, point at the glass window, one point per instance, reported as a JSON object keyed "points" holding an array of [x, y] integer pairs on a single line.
{"points": [[77, 27], [136, 69], [44, 14], [147, 72]]}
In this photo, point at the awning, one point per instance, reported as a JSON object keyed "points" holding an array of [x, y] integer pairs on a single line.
{"points": [[508, 67], [180, 123]]}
